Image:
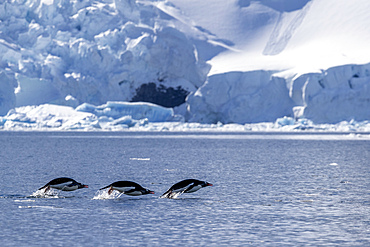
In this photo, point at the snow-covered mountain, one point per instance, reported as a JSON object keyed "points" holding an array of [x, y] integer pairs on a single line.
{"points": [[235, 61]]}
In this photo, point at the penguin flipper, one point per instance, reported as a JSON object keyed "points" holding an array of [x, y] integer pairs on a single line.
{"points": [[47, 188], [167, 194], [172, 194], [110, 191]]}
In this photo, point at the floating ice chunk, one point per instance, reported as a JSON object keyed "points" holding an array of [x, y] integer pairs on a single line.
{"points": [[47, 116], [285, 121], [136, 110]]}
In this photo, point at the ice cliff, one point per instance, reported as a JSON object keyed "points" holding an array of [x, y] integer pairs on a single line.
{"points": [[73, 52]]}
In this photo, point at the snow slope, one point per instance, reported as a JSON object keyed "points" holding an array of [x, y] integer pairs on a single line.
{"points": [[242, 61], [302, 35], [319, 48]]}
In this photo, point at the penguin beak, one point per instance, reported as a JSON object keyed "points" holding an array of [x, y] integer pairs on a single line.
{"points": [[85, 186], [208, 184], [151, 192]]}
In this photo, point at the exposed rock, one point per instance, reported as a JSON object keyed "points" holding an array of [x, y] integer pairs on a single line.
{"points": [[160, 95]]}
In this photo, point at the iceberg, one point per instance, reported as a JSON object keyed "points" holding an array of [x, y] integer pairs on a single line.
{"points": [[136, 110], [110, 116], [47, 117]]}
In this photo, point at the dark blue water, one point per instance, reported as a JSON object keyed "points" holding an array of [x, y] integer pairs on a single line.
{"points": [[269, 190]]}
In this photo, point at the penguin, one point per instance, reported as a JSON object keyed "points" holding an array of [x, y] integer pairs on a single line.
{"points": [[185, 186], [64, 184], [127, 188]]}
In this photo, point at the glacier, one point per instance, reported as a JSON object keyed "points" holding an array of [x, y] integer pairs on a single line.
{"points": [[183, 65]]}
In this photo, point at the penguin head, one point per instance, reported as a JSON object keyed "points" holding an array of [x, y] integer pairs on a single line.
{"points": [[146, 191], [205, 184], [80, 186]]}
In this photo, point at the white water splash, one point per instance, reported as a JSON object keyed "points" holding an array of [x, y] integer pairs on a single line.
{"points": [[24, 200], [103, 194], [147, 159], [41, 207], [42, 194]]}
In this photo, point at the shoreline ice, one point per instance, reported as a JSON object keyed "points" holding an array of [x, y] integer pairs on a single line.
{"points": [[113, 117]]}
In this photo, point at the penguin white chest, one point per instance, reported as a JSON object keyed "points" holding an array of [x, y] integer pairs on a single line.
{"points": [[64, 186], [134, 193], [195, 188], [123, 189]]}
